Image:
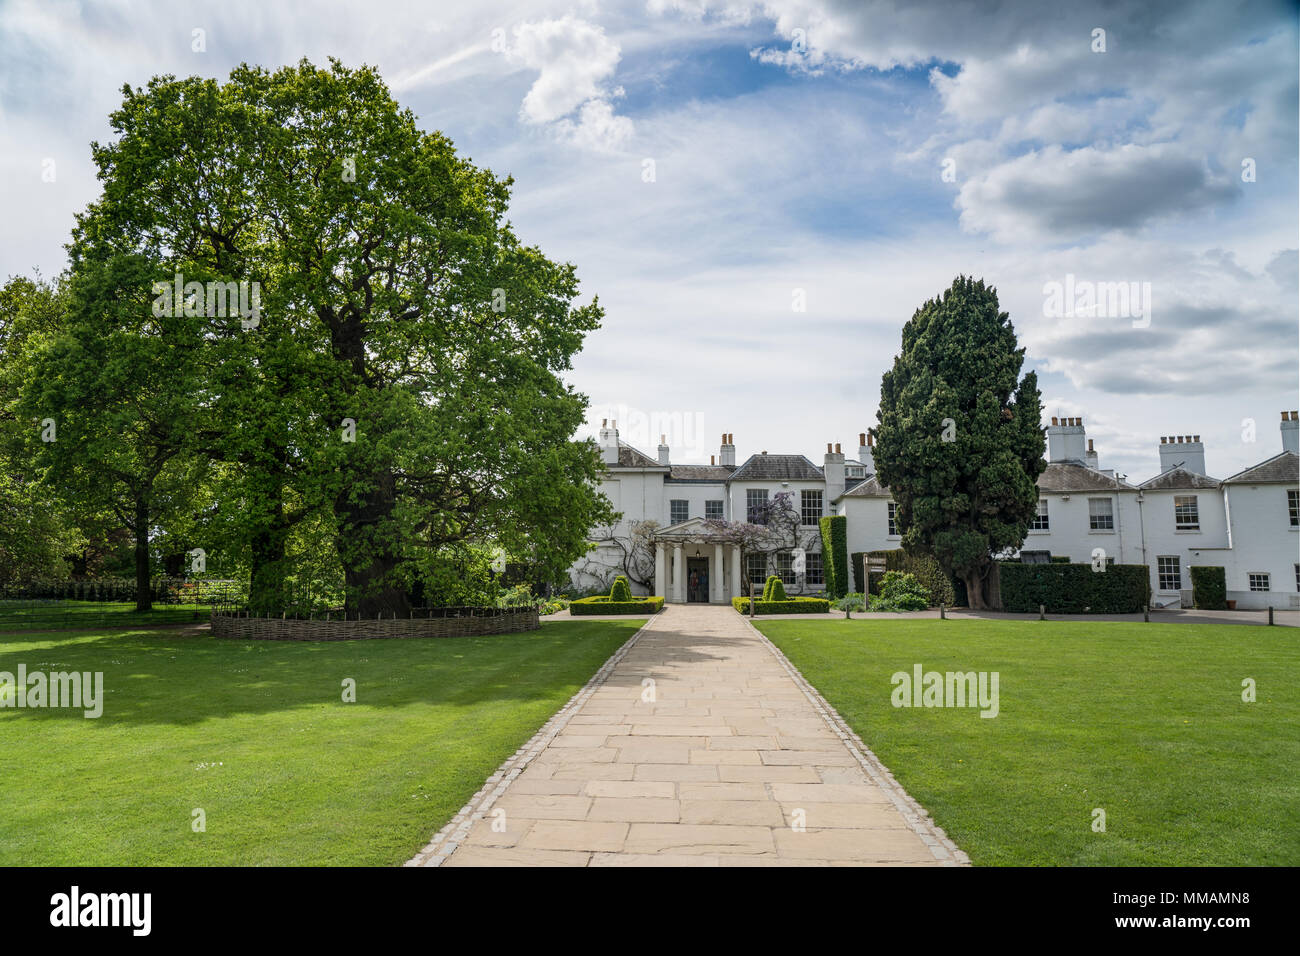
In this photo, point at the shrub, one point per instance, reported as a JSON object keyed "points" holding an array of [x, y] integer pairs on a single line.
{"points": [[621, 592], [774, 590], [835, 554], [900, 591], [521, 595], [791, 605], [853, 601], [924, 567], [1075, 588], [1209, 588], [603, 605]]}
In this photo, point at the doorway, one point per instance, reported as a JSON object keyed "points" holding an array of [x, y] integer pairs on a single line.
{"points": [[697, 580]]}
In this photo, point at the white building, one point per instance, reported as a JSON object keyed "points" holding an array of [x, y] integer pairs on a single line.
{"points": [[1248, 523]]}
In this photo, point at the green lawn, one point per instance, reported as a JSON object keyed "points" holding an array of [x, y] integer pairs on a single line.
{"points": [[1145, 721], [257, 735], [52, 615]]}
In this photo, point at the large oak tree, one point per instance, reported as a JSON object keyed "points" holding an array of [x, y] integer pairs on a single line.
{"points": [[404, 373]]}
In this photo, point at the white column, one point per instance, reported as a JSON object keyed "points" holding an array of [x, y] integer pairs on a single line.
{"points": [[735, 573], [715, 576], [679, 576], [661, 578]]}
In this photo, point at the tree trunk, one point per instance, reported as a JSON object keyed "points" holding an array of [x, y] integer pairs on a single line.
{"points": [[143, 602], [993, 587], [372, 587], [974, 590], [267, 546]]}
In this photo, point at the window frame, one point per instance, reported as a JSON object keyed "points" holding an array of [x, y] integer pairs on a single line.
{"points": [[751, 495], [804, 494], [672, 510], [750, 561], [1162, 573], [1251, 577], [891, 519], [1183, 522], [1042, 516], [813, 560], [1293, 506], [1093, 525], [709, 509]]}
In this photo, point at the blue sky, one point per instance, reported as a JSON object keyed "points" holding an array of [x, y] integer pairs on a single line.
{"points": [[798, 149]]}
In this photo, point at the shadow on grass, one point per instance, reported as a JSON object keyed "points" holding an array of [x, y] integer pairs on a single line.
{"points": [[162, 677]]}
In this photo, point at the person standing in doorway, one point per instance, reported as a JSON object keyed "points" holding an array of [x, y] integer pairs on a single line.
{"points": [[694, 594], [704, 586]]}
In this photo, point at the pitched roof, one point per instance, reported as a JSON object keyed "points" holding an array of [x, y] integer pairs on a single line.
{"points": [[1280, 468], [778, 468], [1065, 476], [1179, 479], [870, 488], [629, 457], [713, 473]]}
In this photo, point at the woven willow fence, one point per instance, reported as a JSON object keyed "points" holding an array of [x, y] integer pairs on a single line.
{"points": [[435, 622]]}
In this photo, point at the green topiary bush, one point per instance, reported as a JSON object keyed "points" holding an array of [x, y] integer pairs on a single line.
{"points": [[621, 591], [1075, 588], [835, 554], [1209, 588], [774, 590]]}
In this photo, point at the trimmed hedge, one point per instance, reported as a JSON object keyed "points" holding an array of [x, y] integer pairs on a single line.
{"points": [[1209, 588], [621, 592], [601, 604], [924, 567], [774, 589], [794, 605], [1075, 588], [835, 554]]}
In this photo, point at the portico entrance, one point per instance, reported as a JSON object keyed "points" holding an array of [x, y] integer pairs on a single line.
{"points": [[695, 565]]}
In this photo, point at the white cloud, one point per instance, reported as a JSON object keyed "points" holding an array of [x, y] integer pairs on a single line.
{"points": [[575, 61]]}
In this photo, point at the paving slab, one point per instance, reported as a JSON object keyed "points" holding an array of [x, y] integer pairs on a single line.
{"points": [[697, 743]]}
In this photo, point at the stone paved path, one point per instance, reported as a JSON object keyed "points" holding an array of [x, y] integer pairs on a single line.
{"points": [[714, 764]]}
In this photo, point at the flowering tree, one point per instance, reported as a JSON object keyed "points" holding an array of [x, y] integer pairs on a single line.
{"points": [[773, 526]]}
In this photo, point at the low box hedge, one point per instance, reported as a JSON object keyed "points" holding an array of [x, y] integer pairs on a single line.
{"points": [[791, 605], [1074, 588], [1209, 588], [601, 604]]}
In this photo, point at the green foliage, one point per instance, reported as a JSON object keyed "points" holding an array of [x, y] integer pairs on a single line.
{"points": [[960, 444], [603, 605], [1075, 588], [1209, 588], [835, 551], [853, 601], [460, 415], [620, 592], [900, 591], [774, 589], [791, 605], [518, 595], [457, 576], [924, 567]]}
